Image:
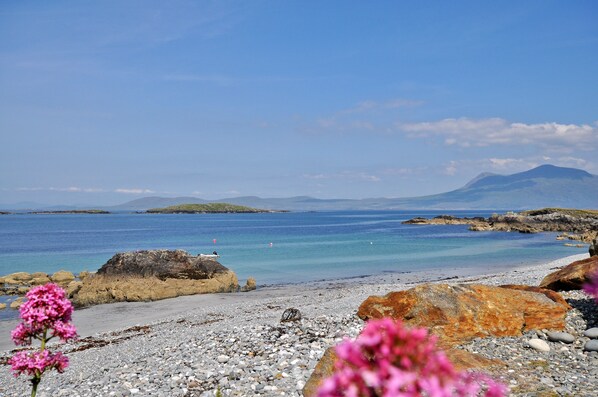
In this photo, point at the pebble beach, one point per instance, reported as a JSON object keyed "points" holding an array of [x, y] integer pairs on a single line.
{"points": [[193, 346]]}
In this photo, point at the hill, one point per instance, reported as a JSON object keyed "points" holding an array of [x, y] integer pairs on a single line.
{"points": [[211, 208], [543, 186]]}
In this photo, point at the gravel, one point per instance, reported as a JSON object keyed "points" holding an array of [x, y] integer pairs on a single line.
{"points": [[243, 349]]}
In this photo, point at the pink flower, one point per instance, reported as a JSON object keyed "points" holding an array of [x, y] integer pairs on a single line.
{"points": [[36, 363], [591, 287], [46, 315], [45, 305], [389, 360]]}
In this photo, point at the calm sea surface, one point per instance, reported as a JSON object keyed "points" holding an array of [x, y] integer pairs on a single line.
{"points": [[305, 246]]}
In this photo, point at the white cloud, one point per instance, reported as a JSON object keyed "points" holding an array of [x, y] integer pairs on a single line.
{"points": [[466, 132], [133, 191], [71, 189], [346, 175]]}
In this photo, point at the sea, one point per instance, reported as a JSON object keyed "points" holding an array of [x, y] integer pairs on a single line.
{"points": [[274, 248]]}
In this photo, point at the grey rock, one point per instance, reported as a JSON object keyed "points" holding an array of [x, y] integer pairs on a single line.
{"points": [[591, 333], [561, 337], [591, 345], [538, 344]]}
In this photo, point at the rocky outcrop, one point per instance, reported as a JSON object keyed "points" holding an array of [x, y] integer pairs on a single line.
{"points": [[461, 312], [162, 264], [584, 223], [594, 247], [62, 278], [572, 276], [250, 285], [153, 275]]}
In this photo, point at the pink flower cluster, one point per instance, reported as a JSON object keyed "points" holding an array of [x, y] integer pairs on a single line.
{"points": [[45, 315], [38, 362], [591, 287], [389, 360]]}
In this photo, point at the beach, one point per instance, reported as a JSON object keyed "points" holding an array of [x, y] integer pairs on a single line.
{"points": [[190, 346]]}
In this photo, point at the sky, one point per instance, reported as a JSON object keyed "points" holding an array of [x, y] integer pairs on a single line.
{"points": [[102, 102]]}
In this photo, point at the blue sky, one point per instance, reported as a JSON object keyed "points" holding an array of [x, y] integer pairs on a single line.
{"points": [[102, 102]]}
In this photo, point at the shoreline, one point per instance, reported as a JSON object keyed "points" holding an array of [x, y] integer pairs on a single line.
{"points": [[192, 345], [112, 317]]}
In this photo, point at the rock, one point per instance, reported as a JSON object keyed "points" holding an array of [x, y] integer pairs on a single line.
{"points": [[560, 337], [17, 303], [464, 360], [591, 333], [62, 277], [572, 276], [323, 370], [250, 285], [17, 278], [290, 314], [539, 345], [552, 295], [462, 312], [594, 247], [22, 290], [591, 345], [39, 278], [73, 287], [223, 359], [162, 264], [84, 274], [2, 306], [154, 275]]}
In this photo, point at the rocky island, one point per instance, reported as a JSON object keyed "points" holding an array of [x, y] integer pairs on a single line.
{"points": [[210, 208], [70, 212], [4, 213], [578, 224]]}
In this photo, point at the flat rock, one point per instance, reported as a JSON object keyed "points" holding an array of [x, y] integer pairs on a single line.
{"points": [[62, 277], [461, 312], [591, 345], [572, 276], [560, 337], [591, 333], [539, 345], [323, 370]]}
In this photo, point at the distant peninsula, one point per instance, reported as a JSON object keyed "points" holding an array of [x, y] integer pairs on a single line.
{"points": [[71, 212], [584, 223], [210, 208]]}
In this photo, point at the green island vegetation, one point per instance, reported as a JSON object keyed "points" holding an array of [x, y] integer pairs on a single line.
{"points": [[565, 211], [71, 212], [210, 208]]}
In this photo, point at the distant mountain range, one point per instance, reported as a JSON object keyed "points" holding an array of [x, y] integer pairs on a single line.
{"points": [[543, 186]]}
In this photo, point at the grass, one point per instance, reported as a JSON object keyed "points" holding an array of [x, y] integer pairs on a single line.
{"points": [[210, 208]]}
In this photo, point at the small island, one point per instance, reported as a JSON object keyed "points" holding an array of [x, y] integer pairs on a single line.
{"points": [[70, 212], [4, 213], [582, 223], [210, 208]]}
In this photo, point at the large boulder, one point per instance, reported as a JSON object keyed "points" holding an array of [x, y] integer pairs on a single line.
{"points": [[153, 275], [572, 276], [162, 264], [461, 312]]}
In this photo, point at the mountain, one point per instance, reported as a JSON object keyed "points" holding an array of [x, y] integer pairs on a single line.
{"points": [[543, 186]]}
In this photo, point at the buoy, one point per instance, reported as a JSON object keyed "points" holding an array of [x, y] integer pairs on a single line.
{"points": [[214, 241], [271, 244]]}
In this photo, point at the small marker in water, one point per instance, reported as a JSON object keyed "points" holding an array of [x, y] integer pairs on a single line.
{"points": [[214, 241], [271, 244]]}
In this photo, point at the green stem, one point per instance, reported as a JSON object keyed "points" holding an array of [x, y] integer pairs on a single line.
{"points": [[35, 381]]}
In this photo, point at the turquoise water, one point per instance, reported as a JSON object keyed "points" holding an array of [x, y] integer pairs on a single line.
{"points": [[305, 246]]}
